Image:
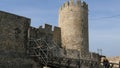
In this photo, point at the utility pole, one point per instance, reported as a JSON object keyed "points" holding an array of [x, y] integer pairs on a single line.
{"points": [[99, 51]]}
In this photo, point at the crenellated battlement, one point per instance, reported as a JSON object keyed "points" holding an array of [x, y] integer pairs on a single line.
{"points": [[46, 33], [33, 28], [48, 27], [84, 5], [74, 3], [57, 35], [57, 28], [46, 30]]}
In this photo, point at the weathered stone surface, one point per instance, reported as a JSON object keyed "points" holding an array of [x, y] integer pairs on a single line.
{"points": [[13, 32], [16, 63], [13, 41], [73, 21], [46, 33]]}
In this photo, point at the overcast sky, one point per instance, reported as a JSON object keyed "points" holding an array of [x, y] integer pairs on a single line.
{"points": [[104, 19]]}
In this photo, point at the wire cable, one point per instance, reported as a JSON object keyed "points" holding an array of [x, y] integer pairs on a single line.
{"points": [[107, 17]]}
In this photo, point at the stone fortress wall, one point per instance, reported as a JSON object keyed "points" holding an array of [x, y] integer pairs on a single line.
{"points": [[46, 33], [71, 36], [15, 32], [49, 34], [13, 41]]}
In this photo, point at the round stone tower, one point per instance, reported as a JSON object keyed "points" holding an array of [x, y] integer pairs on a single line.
{"points": [[73, 21]]}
